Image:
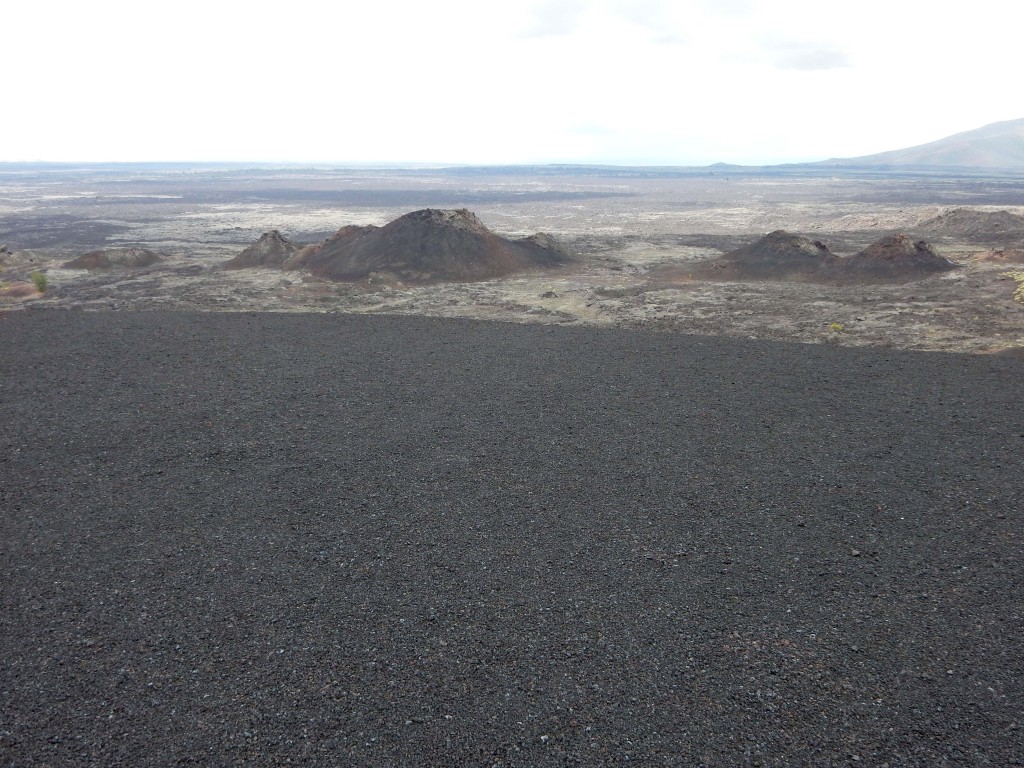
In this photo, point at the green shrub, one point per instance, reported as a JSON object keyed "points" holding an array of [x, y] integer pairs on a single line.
{"points": [[837, 327], [39, 281]]}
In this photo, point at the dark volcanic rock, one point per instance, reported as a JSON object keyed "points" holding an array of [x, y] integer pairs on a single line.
{"points": [[895, 257], [114, 257], [428, 245], [271, 250]]}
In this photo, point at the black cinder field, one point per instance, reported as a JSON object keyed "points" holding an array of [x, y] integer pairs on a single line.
{"points": [[253, 539]]}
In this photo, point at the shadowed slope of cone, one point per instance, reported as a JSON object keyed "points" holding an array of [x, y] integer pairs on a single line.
{"points": [[309, 256]]}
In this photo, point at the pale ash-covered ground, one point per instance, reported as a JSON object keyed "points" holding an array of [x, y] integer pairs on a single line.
{"points": [[621, 227]]}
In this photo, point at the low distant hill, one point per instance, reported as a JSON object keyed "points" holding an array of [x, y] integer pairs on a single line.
{"points": [[998, 145], [427, 245]]}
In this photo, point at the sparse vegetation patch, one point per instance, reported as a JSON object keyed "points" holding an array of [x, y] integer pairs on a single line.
{"points": [[1018, 277]]}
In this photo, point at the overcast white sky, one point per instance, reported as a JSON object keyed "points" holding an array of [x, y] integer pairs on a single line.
{"points": [[470, 81]]}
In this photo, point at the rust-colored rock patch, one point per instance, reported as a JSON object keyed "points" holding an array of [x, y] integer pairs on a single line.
{"points": [[112, 258]]}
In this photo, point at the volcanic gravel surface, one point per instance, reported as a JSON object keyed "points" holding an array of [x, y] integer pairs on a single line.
{"points": [[255, 539]]}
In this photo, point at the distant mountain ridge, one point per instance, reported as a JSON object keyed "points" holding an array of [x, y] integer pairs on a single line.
{"points": [[997, 145]]}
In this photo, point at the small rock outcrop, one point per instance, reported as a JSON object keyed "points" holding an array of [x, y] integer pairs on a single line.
{"points": [[112, 258], [272, 250], [430, 245]]}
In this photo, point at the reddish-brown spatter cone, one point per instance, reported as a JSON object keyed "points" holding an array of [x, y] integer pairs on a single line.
{"points": [[272, 250], [897, 257], [779, 255], [426, 246], [113, 258]]}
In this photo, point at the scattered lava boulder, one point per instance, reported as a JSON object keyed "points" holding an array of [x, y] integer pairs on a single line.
{"points": [[895, 257], [272, 250], [427, 246], [112, 258]]}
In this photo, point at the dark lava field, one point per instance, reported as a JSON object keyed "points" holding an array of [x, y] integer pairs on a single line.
{"points": [[267, 539]]}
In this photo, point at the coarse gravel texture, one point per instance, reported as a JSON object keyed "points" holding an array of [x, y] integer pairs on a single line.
{"points": [[258, 539]]}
